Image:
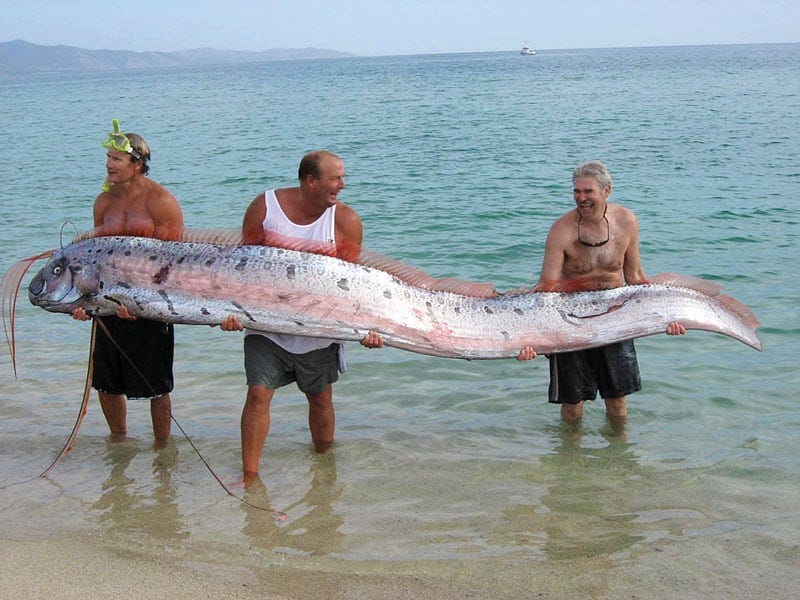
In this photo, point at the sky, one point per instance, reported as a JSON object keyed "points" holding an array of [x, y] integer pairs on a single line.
{"points": [[382, 27]]}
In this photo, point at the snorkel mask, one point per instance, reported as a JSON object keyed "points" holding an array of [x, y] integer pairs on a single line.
{"points": [[118, 141]]}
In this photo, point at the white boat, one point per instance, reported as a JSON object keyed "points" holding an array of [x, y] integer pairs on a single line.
{"points": [[526, 50]]}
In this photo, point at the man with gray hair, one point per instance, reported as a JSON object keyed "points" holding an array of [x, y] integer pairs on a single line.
{"points": [[593, 247]]}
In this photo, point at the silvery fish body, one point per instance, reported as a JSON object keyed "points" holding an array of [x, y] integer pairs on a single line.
{"points": [[303, 293]]}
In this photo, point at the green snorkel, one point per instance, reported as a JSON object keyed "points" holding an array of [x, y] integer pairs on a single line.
{"points": [[118, 141]]}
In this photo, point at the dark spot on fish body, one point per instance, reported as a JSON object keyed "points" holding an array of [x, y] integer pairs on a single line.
{"points": [[457, 310], [153, 257], [387, 294], [114, 300], [210, 262], [166, 297], [101, 284], [343, 284], [291, 271], [162, 275], [204, 311], [505, 334], [241, 264], [300, 324], [488, 310], [519, 311], [181, 259], [242, 308], [127, 253], [124, 285]]}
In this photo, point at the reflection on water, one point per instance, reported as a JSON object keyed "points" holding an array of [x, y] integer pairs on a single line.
{"points": [[591, 490], [313, 525], [584, 492], [130, 504]]}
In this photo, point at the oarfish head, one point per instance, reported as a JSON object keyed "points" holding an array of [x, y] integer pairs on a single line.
{"points": [[62, 283]]}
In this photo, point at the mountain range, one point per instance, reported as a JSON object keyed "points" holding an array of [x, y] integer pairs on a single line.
{"points": [[19, 56]]}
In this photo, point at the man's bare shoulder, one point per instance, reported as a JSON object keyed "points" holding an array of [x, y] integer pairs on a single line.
{"points": [[621, 212], [154, 189], [562, 228], [567, 219], [161, 203], [290, 194], [623, 218], [346, 212]]}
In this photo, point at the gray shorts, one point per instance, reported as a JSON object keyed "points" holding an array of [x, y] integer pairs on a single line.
{"points": [[577, 376], [267, 364]]}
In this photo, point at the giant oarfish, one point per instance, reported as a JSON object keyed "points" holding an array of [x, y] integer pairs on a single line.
{"points": [[306, 293]]}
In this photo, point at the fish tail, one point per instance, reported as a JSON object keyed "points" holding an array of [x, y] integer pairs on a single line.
{"points": [[712, 291]]}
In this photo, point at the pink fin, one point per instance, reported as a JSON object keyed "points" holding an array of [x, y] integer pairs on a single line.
{"points": [[230, 236], [697, 284], [405, 272], [9, 291], [568, 286], [223, 236], [418, 278], [278, 240], [710, 289]]}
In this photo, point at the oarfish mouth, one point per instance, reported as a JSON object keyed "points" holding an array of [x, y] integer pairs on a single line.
{"points": [[36, 287], [40, 295]]}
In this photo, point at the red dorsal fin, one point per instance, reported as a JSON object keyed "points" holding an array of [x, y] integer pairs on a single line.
{"points": [[697, 284], [231, 236], [416, 277], [567, 286], [278, 240], [710, 289], [407, 273]]}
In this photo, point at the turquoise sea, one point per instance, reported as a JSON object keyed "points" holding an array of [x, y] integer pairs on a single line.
{"points": [[448, 479]]}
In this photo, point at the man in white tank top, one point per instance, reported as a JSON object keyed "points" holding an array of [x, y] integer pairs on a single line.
{"points": [[311, 211]]}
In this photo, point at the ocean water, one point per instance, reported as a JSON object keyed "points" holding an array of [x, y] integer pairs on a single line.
{"points": [[456, 478]]}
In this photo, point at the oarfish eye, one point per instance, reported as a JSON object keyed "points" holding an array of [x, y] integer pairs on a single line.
{"points": [[57, 270]]}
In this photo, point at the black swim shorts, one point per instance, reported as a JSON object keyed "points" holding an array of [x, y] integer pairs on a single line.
{"points": [[577, 376], [139, 364]]}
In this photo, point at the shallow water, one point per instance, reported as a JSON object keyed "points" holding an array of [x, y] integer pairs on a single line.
{"points": [[455, 476]]}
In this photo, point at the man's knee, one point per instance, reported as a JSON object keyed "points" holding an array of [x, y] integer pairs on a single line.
{"points": [[259, 396], [572, 412], [616, 407]]}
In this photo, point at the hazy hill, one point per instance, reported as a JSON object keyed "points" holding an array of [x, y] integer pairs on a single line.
{"points": [[20, 56]]}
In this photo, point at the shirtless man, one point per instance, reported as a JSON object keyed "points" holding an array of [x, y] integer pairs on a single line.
{"points": [[310, 211], [131, 204], [594, 247]]}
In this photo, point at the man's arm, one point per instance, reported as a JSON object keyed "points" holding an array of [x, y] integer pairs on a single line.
{"points": [[253, 222], [553, 261], [632, 269], [349, 233], [634, 272], [166, 214]]}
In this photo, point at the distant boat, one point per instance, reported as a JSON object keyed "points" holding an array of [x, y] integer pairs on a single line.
{"points": [[526, 50]]}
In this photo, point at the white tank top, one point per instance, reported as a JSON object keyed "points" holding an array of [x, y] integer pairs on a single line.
{"points": [[321, 230]]}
